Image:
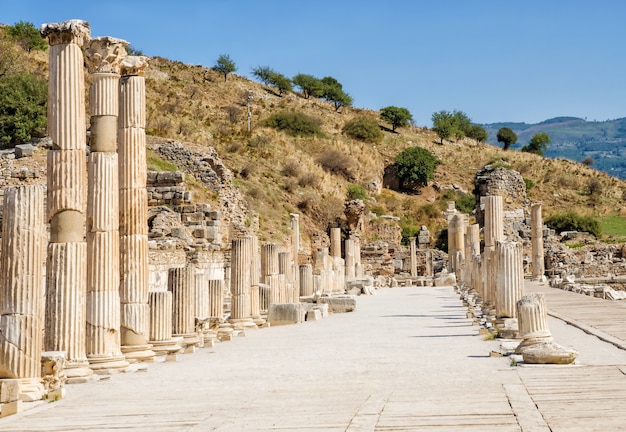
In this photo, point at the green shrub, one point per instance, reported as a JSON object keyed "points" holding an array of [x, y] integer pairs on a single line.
{"points": [[356, 192], [409, 228], [571, 221], [295, 123], [363, 129], [22, 107], [529, 184], [415, 166], [465, 202], [378, 210]]}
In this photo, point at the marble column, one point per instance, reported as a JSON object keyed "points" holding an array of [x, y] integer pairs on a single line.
{"points": [[536, 224], [306, 280], [269, 261], [472, 250], [335, 242], [493, 232], [532, 315], [456, 232], [201, 303], [509, 268], [133, 201], [285, 268], [295, 253], [413, 257], [66, 271], [181, 283], [216, 298], [160, 335], [255, 300], [21, 287], [240, 282], [358, 268], [103, 57], [350, 259]]}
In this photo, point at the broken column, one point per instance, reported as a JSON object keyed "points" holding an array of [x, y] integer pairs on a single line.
{"points": [[509, 270], [133, 201], [103, 58], [350, 259], [536, 225], [181, 283], [456, 234], [160, 335], [21, 288], [493, 231], [285, 268], [269, 261], [66, 269]]}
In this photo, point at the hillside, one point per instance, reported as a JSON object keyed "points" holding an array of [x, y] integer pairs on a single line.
{"points": [[576, 139], [279, 174]]}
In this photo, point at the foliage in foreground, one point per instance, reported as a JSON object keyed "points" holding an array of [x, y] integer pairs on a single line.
{"points": [[23, 99], [571, 221]]}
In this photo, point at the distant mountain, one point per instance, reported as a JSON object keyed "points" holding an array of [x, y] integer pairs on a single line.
{"points": [[575, 139]]}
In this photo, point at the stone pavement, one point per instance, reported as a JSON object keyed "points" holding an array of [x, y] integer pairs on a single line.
{"points": [[406, 360]]}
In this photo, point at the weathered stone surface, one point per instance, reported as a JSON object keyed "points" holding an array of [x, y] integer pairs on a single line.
{"points": [[339, 304], [24, 150], [549, 353], [285, 313]]}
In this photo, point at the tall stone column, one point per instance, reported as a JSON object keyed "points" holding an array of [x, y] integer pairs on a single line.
{"points": [[295, 251], [21, 287], [216, 298], [335, 242], [201, 302], [160, 335], [509, 267], [306, 280], [493, 232], [181, 283], [349, 257], [358, 268], [456, 232], [103, 57], [133, 200], [413, 256], [66, 271], [269, 261], [472, 250], [240, 282], [536, 225], [285, 268]]}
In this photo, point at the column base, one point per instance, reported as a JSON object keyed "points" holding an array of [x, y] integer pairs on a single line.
{"points": [[225, 332], [242, 324], [166, 347], [31, 389], [189, 339], [106, 365], [138, 353], [78, 372], [531, 342]]}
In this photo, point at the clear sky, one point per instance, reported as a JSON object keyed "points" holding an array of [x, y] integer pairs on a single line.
{"points": [[496, 60]]}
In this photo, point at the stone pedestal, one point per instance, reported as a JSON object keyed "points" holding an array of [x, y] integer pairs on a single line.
{"points": [[21, 287], [160, 336], [133, 201], [536, 225], [66, 273], [181, 283], [103, 58]]}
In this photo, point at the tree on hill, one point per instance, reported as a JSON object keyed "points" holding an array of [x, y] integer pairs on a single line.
{"points": [[398, 117], [27, 36], [309, 85], [452, 124], [507, 137], [415, 167], [263, 73], [23, 99], [363, 129], [477, 132], [538, 143], [269, 76], [224, 65], [333, 92]]}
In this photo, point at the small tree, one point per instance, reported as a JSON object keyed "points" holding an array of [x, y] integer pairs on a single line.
{"points": [[478, 133], [443, 125], [398, 117], [415, 167], [363, 129], [224, 65], [309, 85], [538, 143], [281, 82], [263, 73], [507, 137], [22, 107], [27, 36], [333, 92]]}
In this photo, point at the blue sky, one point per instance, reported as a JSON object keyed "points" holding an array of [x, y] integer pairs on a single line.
{"points": [[496, 60]]}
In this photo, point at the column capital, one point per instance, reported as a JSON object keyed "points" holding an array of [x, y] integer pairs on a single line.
{"points": [[66, 32], [134, 65], [104, 54]]}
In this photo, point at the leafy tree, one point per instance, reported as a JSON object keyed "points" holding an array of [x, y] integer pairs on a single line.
{"points": [[363, 129], [295, 123], [443, 125], [27, 36], [397, 116], [263, 73], [132, 51], [333, 92], [281, 82], [11, 61], [415, 166], [224, 65], [507, 137], [23, 99], [477, 132], [588, 161], [309, 85], [538, 143], [571, 221]]}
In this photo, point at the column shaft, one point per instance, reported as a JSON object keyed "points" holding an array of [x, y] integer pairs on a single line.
{"points": [[536, 224], [306, 280], [216, 298], [509, 268]]}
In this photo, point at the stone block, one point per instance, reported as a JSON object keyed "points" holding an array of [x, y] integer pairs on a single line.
{"points": [[10, 408], [24, 150], [285, 313], [9, 390], [339, 304], [314, 315]]}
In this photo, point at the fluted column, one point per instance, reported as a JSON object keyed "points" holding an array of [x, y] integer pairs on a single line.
{"points": [[21, 287], [509, 278], [133, 201], [413, 256], [536, 225], [201, 302], [103, 58], [66, 273], [216, 298], [181, 283], [269, 261], [493, 232], [285, 268], [240, 278], [349, 258], [160, 334], [456, 231], [358, 268], [295, 250], [335, 242], [306, 280]]}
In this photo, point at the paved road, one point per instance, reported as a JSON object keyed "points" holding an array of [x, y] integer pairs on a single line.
{"points": [[406, 360]]}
